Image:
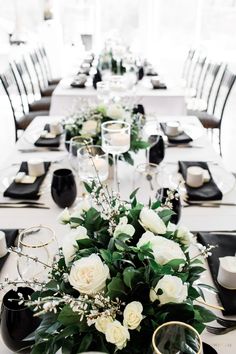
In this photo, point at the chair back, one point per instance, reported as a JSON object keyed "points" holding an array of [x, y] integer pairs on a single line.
{"points": [[33, 76], [209, 78], [8, 135], [42, 55], [26, 80], [225, 87], [187, 64], [40, 73], [196, 73], [13, 91]]}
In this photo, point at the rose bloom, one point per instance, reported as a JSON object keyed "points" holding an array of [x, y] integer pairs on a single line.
{"points": [[115, 111], [88, 275], [64, 216], [173, 290], [102, 322], [164, 250], [151, 221], [69, 244], [185, 236], [117, 334], [133, 314], [124, 228], [89, 127]]}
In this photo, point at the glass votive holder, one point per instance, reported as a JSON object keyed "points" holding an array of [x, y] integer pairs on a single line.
{"points": [[115, 137], [75, 144], [146, 179], [93, 163], [176, 337], [103, 91]]}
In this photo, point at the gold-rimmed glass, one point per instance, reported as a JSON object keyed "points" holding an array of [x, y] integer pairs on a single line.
{"points": [[37, 248], [176, 338]]}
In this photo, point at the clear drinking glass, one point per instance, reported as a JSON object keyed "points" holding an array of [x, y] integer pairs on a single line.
{"points": [[38, 244], [176, 338], [103, 91], [93, 163], [146, 179], [115, 141], [75, 144]]}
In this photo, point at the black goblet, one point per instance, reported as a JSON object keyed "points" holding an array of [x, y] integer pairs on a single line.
{"points": [[63, 188], [17, 321], [162, 195], [157, 150]]}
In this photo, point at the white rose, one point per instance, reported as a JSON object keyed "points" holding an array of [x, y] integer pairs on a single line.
{"points": [[115, 111], [64, 216], [117, 334], [151, 221], [133, 314], [171, 227], [102, 322], [88, 275], [185, 236], [89, 127], [164, 250], [124, 228], [69, 245], [173, 290]]}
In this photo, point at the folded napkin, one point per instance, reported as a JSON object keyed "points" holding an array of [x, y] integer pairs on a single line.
{"points": [[26, 191], [45, 142], [11, 235], [226, 247], [181, 138], [208, 191], [77, 84], [161, 86]]}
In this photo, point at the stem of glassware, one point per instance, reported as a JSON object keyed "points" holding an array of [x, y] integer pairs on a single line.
{"points": [[115, 178], [147, 152]]}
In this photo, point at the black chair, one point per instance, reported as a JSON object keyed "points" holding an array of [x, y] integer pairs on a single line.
{"points": [[43, 58], [6, 117], [35, 101], [45, 88], [206, 83], [22, 117], [214, 120], [187, 66]]}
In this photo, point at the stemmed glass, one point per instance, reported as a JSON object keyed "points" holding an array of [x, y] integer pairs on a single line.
{"points": [[93, 163], [115, 141], [75, 144], [151, 132], [103, 91], [146, 179], [176, 337]]}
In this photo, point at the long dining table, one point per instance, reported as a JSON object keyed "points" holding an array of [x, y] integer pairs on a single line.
{"points": [[167, 101], [196, 218]]}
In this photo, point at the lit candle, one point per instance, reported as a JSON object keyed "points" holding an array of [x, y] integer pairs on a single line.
{"points": [[99, 163], [120, 139], [36, 167], [227, 272], [195, 176], [3, 244]]}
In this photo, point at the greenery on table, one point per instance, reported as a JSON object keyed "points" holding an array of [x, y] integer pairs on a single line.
{"points": [[87, 122], [123, 270]]}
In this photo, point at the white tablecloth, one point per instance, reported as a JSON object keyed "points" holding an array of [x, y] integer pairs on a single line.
{"points": [[195, 218], [163, 102]]}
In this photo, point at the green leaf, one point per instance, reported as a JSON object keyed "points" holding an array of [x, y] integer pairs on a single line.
{"points": [[201, 314], [120, 245], [88, 187], [106, 255], [156, 205], [85, 342], [133, 194], [116, 288], [175, 263], [68, 317], [131, 276], [84, 243], [39, 348], [166, 214], [208, 287]]}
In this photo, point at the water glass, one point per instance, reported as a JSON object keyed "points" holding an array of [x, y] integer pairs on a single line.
{"points": [[103, 91], [146, 179], [93, 163], [75, 144], [115, 141], [37, 242], [63, 187], [176, 338]]}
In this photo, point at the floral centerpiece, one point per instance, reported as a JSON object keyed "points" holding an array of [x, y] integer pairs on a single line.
{"points": [[87, 122], [123, 270]]}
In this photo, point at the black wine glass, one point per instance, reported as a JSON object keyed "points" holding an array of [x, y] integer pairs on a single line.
{"points": [[17, 321], [157, 149], [162, 195], [63, 187]]}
